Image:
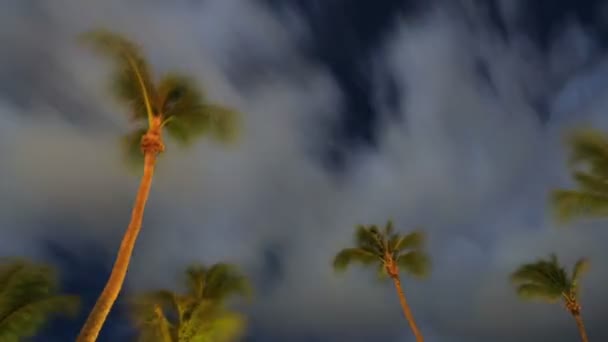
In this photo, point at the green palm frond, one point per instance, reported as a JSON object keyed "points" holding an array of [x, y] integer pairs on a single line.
{"points": [[188, 114], [413, 240], [367, 238], [580, 268], [225, 280], [415, 263], [589, 146], [590, 183], [133, 83], [28, 297], [349, 256], [142, 305], [131, 146], [27, 319], [546, 279], [570, 204], [536, 291], [198, 315], [210, 323], [389, 229], [542, 272]]}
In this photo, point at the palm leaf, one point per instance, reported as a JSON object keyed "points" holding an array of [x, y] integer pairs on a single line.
{"points": [[415, 263], [570, 204], [213, 324], [580, 268], [587, 144], [131, 145], [25, 320], [27, 299], [224, 280], [537, 291], [132, 81], [366, 239], [188, 114], [592, 184], [142, 306], [389, 229], [413, 240], [354, 255]]}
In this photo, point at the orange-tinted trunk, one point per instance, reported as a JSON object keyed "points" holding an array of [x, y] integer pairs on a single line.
{"points": [[106, 300], [406, 310], [581, 327]]}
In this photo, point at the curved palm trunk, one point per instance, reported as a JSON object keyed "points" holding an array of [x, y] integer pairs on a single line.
{"points": [[406, 310], [581, 327], [106, 300]]}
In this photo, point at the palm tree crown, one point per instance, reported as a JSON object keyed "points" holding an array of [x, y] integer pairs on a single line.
{"points": [[389, 250], [547, 280], [173, 102], [198, 315], [27, 299], [589, 150]]}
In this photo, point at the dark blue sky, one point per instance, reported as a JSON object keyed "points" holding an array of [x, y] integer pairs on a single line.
{"points": [[346, 43]]}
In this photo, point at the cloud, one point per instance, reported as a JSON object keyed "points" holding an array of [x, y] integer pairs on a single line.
{"points": [[469, 160]]}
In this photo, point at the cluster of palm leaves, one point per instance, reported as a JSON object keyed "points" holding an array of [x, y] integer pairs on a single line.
{"points": [[28, 297], [174, 104]]}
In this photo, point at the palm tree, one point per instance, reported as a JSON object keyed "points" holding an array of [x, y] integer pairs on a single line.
{"points": [[390, 252], [547, 280], [173, 103], [589, 149], [28, 298], [199, 315]]}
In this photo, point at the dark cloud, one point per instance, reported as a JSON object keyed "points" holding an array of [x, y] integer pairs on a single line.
{"points": [[469, 164]]}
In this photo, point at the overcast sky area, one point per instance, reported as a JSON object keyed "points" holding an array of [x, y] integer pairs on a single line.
{"points": [[447, 116]]}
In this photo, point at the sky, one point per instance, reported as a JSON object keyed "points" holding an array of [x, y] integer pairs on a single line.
{"points": [[442, 115]]}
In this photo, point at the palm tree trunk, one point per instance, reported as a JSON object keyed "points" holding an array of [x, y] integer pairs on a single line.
{"points": [[581, 327], [106, 300], [406, 310]]}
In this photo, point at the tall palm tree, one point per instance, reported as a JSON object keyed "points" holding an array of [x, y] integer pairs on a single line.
{"points": [[172, 103], [198, 315], [589, 150], [547, 280], [390, 252], [28, 298]]}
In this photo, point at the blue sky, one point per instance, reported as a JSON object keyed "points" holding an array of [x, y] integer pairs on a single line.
{"points": [[445, 115]]}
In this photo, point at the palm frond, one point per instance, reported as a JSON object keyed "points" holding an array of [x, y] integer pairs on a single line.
{"points": [[219, 123], [25, 320], [349, 256], [366, 238], [196, 279], [571, 204], [537, 291], [381, 272], [544, 279], [142, 305], [416, 263], [211, 323], [189, 114], [131, 146], [132, 81], [389, 229], [587, 145], [580, 268], [225, 280], [413, 240], [590, 183], [27, 299]]}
